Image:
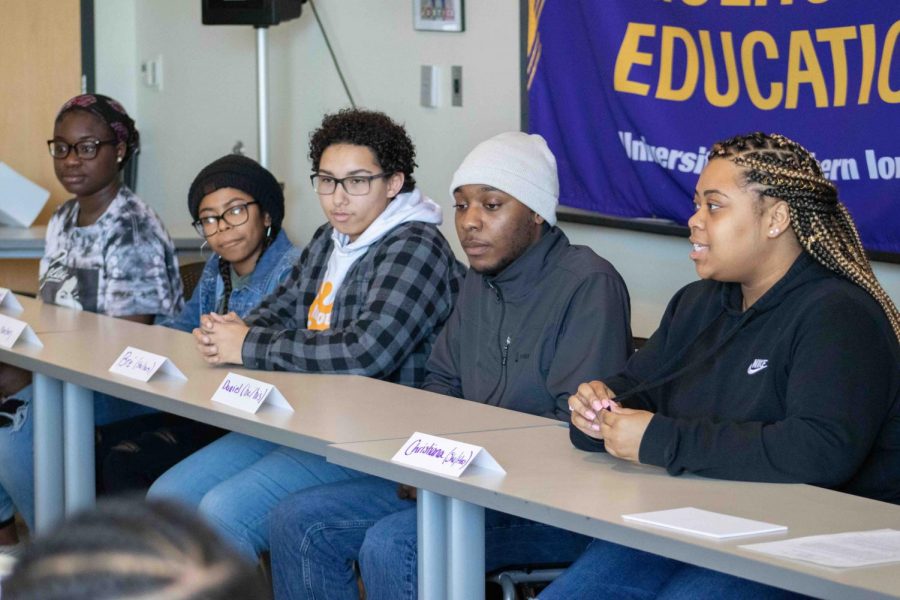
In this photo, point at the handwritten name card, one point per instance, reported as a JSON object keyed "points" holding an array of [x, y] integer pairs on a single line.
{"points": [[247, 394], [440, 455], [12, 330], [142, 365], [8, 300]]}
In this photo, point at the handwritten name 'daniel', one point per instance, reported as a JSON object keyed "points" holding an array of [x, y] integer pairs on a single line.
{"points": [[244, 390]]}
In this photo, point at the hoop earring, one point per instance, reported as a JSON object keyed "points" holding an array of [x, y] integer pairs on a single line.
{"points": [[269, 233], [202, 246]]}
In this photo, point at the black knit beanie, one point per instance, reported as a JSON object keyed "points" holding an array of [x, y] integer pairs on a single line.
{"points": [[241, 173]]}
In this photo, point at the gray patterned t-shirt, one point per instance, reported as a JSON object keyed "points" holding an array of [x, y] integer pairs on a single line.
{"points": [[123, 264]]}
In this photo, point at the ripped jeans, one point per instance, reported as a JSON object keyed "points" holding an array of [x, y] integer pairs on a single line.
{"points": [[17, 447]]}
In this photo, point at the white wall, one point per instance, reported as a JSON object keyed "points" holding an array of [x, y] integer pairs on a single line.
{"points": [[208, 101], [115, 46], [656, 266]]}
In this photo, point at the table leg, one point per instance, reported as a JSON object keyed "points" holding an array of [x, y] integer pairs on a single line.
{"points": [[48, 452], [78, 423], [431, 521], [465, 552]]}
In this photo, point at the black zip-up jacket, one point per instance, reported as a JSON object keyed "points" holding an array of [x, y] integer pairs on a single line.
{"points": [[803, 387], [526, 338]]}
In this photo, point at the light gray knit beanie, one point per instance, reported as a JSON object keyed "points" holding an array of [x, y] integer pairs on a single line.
{"points": [[517, 163]]}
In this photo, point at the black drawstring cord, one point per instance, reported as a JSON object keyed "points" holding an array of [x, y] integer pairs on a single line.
{"points": [[651, 383]]}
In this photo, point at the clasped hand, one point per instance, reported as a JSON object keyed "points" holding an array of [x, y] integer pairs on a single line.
{"points": [[596, 414], [220, 338]]}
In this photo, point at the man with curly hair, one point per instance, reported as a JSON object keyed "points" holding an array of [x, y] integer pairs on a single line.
{"points": [[368, 297]]}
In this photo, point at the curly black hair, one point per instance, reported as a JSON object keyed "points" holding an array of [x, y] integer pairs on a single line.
{"points": [[394, 150]]}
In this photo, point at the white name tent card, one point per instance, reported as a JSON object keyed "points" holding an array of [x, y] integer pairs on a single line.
{"points": [[20, 198], [704, 523], [12, 330], [9, 301], [840, 550], [440, 455], [245, 393], [142, 365]]}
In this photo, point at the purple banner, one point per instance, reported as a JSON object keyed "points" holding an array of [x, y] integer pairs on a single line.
{"points": [[631, 93]]}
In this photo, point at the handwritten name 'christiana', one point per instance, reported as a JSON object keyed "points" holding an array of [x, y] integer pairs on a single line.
{"points": [[454, 456]]}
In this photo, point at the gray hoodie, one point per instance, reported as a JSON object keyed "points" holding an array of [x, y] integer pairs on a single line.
{"points": [[525, 338]]}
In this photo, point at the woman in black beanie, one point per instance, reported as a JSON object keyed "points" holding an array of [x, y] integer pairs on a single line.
{"points": [[237, 206]]}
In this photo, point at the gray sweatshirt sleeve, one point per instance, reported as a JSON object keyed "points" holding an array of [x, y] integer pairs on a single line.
{"points": [[442, 369], [594, 340]]}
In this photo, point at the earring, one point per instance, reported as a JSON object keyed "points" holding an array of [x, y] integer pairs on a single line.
{"points": [[269, 232], [774, 231], [118, 159]]}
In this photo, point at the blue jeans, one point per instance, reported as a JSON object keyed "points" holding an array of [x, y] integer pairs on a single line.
{"points": [[607, 570], [317, 535], [17, 450], [237, 480]]}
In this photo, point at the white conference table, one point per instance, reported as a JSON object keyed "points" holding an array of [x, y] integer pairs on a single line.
{"points": [[327, 408], [360, 423], [28, 242], [47, 318], [22, 242], [550, 481]]}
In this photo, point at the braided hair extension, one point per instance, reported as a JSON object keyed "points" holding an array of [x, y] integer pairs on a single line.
{"points": [[225, 271], [131, 549], [822, 224]]}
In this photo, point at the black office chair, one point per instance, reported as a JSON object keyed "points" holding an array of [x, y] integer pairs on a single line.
{"points": [[190, 277], [524, 582]]}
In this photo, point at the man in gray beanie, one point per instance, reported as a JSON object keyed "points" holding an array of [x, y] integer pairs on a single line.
{"points": [[535, 317]]}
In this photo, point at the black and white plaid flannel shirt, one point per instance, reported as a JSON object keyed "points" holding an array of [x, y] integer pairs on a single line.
{"points": [[386, 316]]}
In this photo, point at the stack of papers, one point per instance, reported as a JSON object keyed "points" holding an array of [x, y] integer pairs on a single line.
{"points": [[705, 523], [843, 550]]}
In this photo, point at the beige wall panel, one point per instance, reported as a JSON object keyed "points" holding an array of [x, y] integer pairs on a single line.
{"points": [[40, 68], [20, 275]]}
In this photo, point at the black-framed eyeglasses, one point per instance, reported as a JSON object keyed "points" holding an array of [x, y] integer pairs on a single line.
{"points": [[355, 185], [237, 214], [86, 149]]}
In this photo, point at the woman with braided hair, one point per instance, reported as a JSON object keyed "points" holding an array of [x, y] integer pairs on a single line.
{"points": [[237, 207], [781, 365]]}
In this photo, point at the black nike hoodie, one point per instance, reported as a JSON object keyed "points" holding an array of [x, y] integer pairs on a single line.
{"points": [[802, 387]]}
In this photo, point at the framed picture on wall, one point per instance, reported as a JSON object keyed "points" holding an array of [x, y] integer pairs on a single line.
{"points": [[438, 15]]}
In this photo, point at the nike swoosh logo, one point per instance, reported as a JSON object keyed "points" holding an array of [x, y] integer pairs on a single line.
{"points": [[751, 369]]}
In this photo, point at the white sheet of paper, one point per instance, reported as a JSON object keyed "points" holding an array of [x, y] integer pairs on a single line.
{"points": [[248, 394], [704, 523], [444, 456], [12, 330], [842, 550], [21, 200], [142, 365], [9, 301]]}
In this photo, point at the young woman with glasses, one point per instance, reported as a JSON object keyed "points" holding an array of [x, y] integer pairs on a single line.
{"points": [[237, 206], [107, 252], [368, 297]]}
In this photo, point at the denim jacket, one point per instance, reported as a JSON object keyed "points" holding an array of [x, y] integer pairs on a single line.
{"points": [[273, 267]]}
